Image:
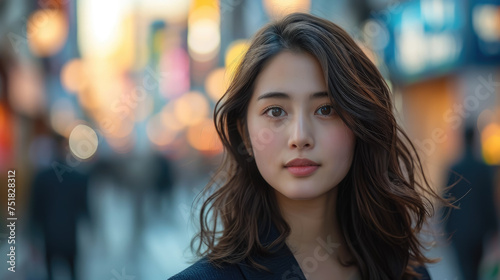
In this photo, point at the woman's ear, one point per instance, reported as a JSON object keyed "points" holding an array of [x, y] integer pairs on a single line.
{"points": [[244, 135]]}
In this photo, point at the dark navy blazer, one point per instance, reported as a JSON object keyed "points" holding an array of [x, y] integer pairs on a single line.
{"points": [[282, 264]]}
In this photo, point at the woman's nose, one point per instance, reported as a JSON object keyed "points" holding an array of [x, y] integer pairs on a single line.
{"points": [[300, 133]]}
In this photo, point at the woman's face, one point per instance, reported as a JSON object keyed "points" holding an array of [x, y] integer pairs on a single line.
{"points": [[290, 116]]}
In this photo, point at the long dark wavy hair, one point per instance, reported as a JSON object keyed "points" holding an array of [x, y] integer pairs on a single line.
{"points": [[384, 200]]}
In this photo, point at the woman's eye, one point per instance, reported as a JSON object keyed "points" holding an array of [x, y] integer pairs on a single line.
{"points": [[326, 110], [274, 112]]}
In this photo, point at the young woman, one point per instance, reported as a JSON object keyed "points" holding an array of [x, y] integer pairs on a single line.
{"points": [[318, 180]]}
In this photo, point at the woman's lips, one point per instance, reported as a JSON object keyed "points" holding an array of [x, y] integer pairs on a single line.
{"points": [[302, 171]]}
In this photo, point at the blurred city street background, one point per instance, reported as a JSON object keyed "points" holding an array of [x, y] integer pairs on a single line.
{"points": [[106, 117]]}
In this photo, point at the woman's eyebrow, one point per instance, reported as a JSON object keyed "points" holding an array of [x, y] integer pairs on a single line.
{"points": [[282, 95]]}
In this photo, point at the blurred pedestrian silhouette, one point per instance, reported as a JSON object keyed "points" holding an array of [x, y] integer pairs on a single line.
{"points": [[59, 201], [476, 220]]}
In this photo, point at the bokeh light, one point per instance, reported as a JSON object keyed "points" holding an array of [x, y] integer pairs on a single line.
{"points": [[83, 141], [26, 91], [175, 65], [47, 31], [204, 39], [74, 76], [157, 133], [174, 11], [217, 83], [490, 138], [203, 137], [204, 31], [485, 19], [280, 8], [234, 55], [100, 28], [169, 119], [191, 108]]}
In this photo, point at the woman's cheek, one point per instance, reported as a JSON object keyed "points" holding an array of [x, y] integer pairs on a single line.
{"points": [[339, 141], [264, 137], [266, 145]]}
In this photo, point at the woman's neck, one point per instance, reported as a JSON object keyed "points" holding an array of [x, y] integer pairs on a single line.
{"points": [[313, 222]]}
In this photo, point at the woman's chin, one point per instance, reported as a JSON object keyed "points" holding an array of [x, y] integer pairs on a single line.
{"points": [[301, 193]]}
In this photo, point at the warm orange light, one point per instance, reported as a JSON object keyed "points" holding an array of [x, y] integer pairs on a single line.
{"points": [[169, 118], [203, 39], [491, 150], [234, 55], [216, 83], [157, 133], [47, 31], [124, 129], [174, 11], [3, 116], [204, 137], [279, 8], [107, 89], [73, 76], [490, 138], [191, 108], [124, 54], [204, 30], [490, 130], [104, 26], [112, 125], [204, 12]]}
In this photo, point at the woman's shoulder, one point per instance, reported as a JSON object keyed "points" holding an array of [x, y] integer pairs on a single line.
{"points": [[205, 270]]}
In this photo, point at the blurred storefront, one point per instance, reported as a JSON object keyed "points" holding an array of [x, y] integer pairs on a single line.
{"points": [[443, 61]]}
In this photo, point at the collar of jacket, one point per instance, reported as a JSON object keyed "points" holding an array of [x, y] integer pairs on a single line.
{"points": [[281, 263]]}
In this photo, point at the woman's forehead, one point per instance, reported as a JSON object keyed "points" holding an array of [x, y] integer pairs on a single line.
{"points": [[289, 75]]}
